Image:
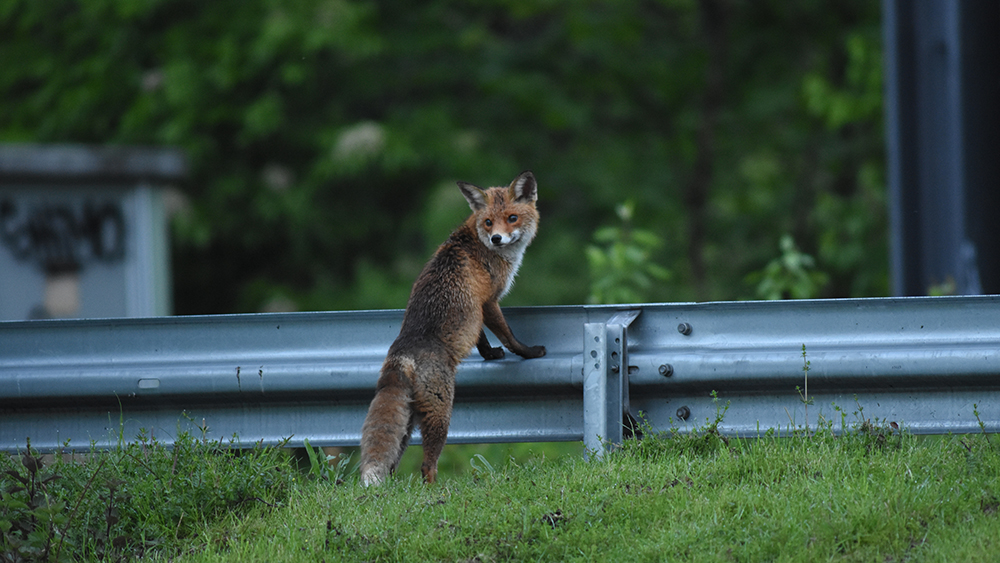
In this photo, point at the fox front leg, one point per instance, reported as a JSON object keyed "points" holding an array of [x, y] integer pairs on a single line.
{"points": [[493, 319], [485, 350]]}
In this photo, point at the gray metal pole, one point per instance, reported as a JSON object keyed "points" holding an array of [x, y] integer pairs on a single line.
{"points": [[943, 144]]}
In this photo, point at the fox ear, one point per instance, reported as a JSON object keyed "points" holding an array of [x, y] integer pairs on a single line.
{"points": [[474, 195], [523, 188]]}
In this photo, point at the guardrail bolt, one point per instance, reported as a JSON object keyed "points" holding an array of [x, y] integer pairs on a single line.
{"points": [[684, 328], [683, 413], [666, 370]]}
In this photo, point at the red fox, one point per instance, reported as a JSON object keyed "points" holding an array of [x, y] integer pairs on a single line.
{"points": [[453, 297]]}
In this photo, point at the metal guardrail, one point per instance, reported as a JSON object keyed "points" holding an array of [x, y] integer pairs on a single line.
{"points": [[921, 362]]}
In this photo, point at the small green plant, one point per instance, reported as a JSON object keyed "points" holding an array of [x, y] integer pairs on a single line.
{"points": [[876, 433], [792, 275], [804, 393], [621, 267], [32, 519], [480, 465], [843, 416], [322, 466], [982, 425], [720, 413], [947, 287], [699, 441]]}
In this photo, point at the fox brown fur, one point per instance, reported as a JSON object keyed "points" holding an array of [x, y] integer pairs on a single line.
{"points": [[457, 293]]}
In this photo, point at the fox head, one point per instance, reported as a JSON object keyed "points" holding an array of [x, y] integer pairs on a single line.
{"points": [[506, 219]]}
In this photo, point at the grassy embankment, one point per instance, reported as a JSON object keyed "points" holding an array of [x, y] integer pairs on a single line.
{"points": [[875, 494]]}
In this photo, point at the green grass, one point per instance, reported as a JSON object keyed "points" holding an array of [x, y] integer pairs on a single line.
{"points": [[872, 495], [875, 495], [139, 498]]}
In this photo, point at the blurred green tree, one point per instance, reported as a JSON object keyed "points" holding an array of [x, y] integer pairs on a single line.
{"points": [[325, 136]]}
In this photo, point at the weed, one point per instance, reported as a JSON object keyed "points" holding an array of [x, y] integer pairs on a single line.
{"points": [[982, 425], [137, 497], [804, 396], [699, 441], [32, 520], [480, 466], [877, 433], [322, 466]]}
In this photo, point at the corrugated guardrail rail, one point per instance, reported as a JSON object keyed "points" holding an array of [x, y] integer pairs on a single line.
{"points": [[920, 362]]}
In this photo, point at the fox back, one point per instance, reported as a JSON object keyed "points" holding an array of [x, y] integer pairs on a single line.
{"points": [[455, 295]]}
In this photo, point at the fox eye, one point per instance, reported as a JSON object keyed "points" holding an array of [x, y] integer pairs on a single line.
{"points": [[488, 222], [512, 219]]}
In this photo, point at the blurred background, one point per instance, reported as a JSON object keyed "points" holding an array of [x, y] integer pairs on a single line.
{"points": [[685, 149]]}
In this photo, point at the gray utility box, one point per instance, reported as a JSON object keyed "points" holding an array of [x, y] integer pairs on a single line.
{"points": [[83, 231]]}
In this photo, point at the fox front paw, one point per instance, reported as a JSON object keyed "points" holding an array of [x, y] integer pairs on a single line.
{"points": [[492, 353], [533, 352]]}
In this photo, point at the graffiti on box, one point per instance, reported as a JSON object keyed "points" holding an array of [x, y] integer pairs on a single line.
{"points": [[63, 236]]}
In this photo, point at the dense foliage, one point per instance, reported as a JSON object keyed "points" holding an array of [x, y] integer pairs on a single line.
{"points": [[138, 497], [325, 136]]}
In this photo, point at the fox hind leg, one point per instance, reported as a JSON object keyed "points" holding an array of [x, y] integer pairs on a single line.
{"points": [[434, 431], [433, 405]]}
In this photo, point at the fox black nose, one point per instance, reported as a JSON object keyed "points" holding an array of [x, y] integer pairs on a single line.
{"points": [[496, 240]]}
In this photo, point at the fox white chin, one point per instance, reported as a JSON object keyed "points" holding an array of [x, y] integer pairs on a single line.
{"points": [[500, 241]]}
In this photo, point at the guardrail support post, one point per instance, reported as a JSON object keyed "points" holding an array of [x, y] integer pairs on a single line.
{"points": [[605, 381]]}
